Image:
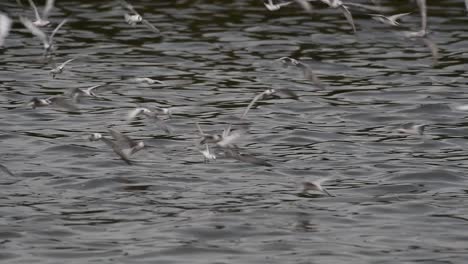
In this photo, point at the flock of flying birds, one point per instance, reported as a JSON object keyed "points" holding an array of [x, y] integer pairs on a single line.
{"points": [[211, 146]]}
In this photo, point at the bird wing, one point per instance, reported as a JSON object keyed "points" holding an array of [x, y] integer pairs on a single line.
{"points": [[199, 129], [65, 63], [48, 6], [122, 141], [93, 87], [57, 29], [150, 26], [348, 16], [230, 138], [123, 155], [310, 75], [397, 16], [128, 6], [255, 99], [34, 7], [318, 184], [35, 31], [275, 6], [134, 113], [227, 131], [423, 11]]}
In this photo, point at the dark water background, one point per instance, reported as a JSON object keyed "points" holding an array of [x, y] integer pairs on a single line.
{"points": [[399, 198]]}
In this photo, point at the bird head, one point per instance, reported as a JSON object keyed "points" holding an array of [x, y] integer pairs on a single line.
{"points": [[95, 136]]}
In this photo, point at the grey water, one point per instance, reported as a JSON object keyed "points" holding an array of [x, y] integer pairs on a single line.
{"points": [[398, 197]]}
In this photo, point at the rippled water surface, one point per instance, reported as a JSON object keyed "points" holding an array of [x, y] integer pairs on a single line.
{"points": [[398, 197]]}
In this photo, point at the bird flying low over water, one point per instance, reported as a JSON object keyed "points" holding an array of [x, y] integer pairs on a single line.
{"points": [[42, 21], [207, 154], [134, 17], [389, 20], [59, 69], [306, 70], [225, 144], [152, 114], [57, 101], [315, 186], [412, 128], [226, 140], [146, 80], [122, 145], [77, 93]]}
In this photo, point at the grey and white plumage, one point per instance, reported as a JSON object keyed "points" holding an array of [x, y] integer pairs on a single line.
{"points": [[306, 70], [274, 5], [229, 137], [125, 142], [136, 18], [59, 69], [152, 114], [207, 138], [207, 154], [42, 21], [412, 128], [315, 186], [59, 101], [224, 140], [147, 80], [138, 111], [5, 26], [122, 145], [47, 41], [389, 20], [77, 93]]}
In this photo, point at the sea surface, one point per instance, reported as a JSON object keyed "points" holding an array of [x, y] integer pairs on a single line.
{"points": [[398, 197]]}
